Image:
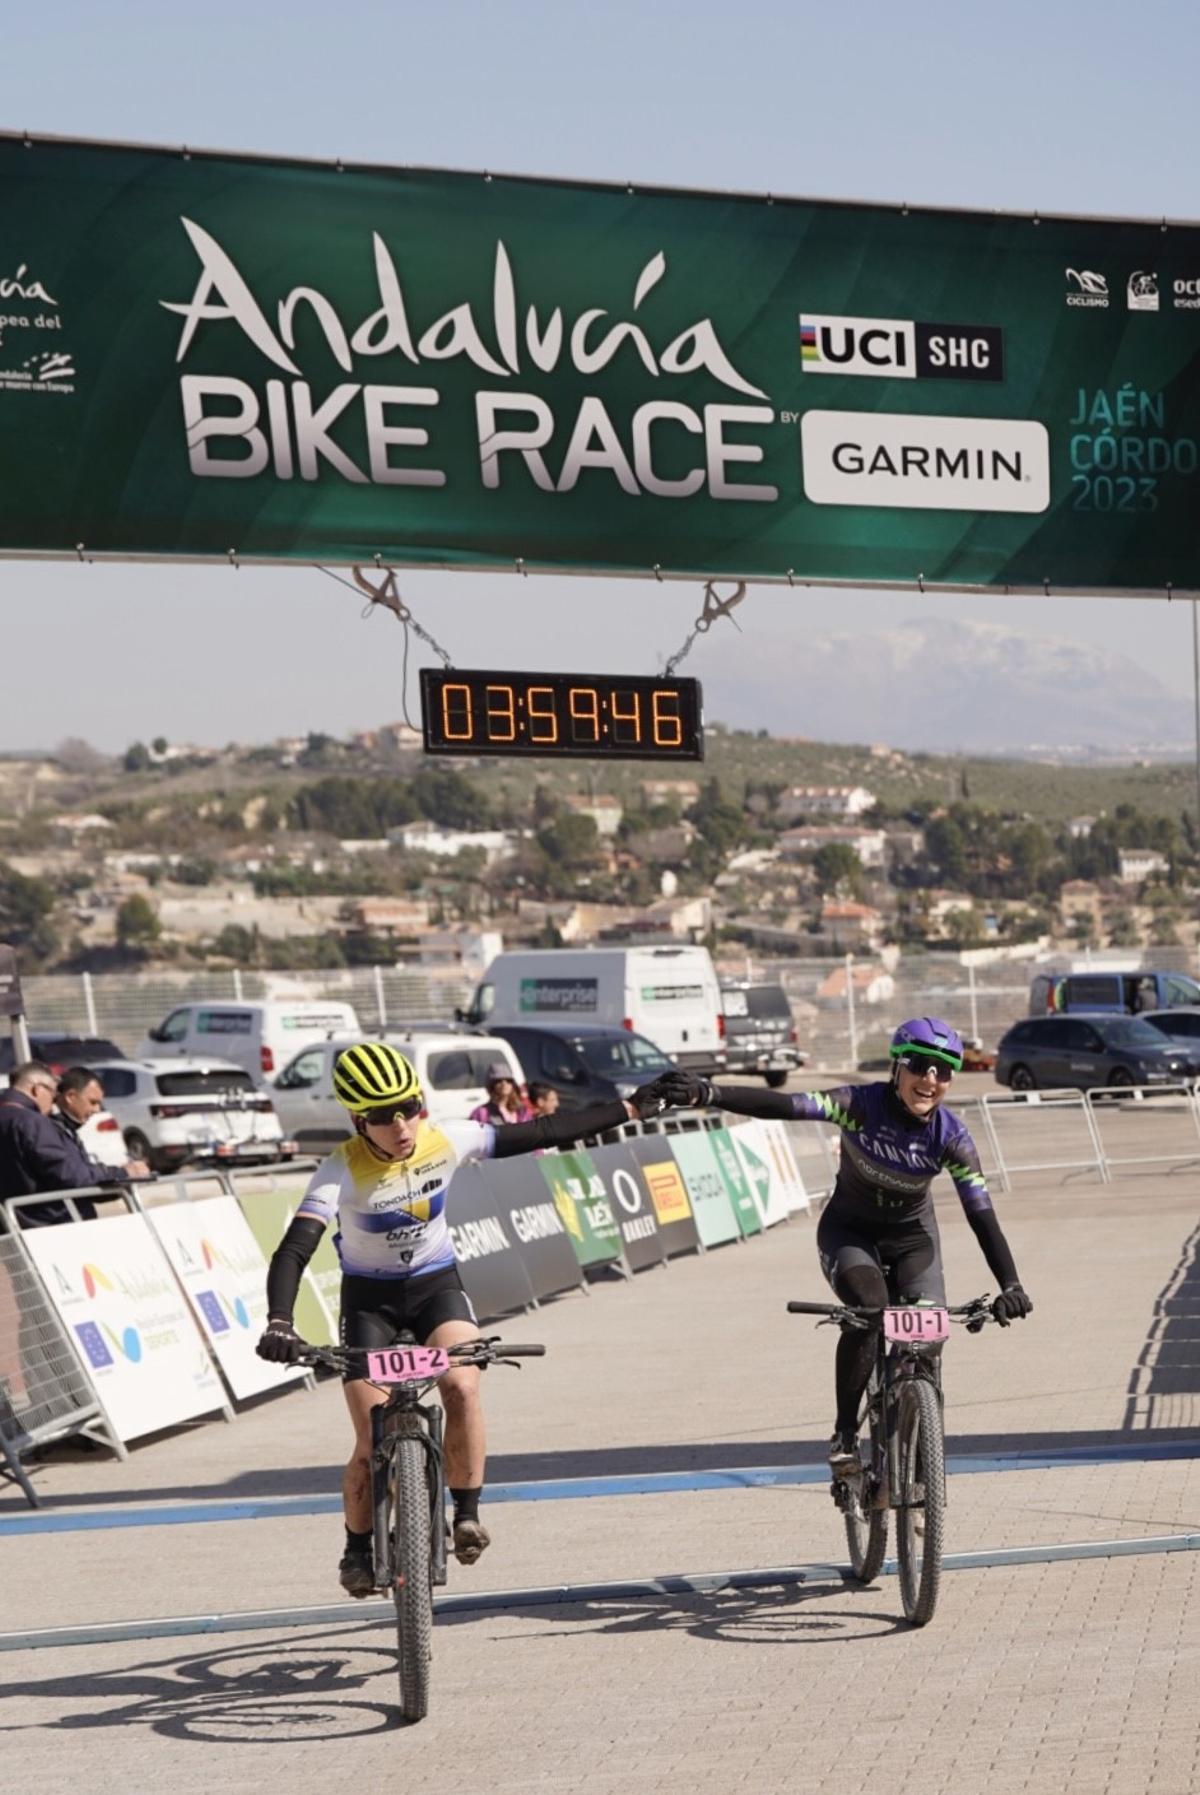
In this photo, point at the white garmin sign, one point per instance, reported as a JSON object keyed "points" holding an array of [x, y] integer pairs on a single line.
{"points": [[925, 463]]}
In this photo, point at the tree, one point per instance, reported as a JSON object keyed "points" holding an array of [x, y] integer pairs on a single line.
{"points": [[838, 868], [946, 846], [74, 755], [449, 800], [26, 906], [160, 745], [571, 841], [137, 758], [138, 927]]}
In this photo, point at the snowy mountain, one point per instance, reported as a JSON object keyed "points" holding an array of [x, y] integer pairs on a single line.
{"points": [[951, 685]]}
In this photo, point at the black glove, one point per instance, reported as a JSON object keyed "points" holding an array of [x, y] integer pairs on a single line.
{"points": [[280, 1343], [1011, 1305], [675, 1090]]}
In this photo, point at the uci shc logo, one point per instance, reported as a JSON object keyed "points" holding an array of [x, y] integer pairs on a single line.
{"points": [[900, 348]]}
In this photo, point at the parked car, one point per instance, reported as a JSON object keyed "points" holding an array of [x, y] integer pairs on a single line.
{"points": [[1081, 1052], [585, 1062], [192, 1111], [451, 1068], [261, 1037], [760, 1033], [59, 1051], [1181, 1025], [1121, 993]]}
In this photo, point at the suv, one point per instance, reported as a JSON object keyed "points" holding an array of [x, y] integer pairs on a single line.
{"points": [[585, 1062], [451, 1068], [760, 1035], [60, 1051], [1081, 1052], [178, 1111]]}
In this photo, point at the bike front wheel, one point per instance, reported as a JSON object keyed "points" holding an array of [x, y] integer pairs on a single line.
{"points": [[413, 1587], [920, 1499]]}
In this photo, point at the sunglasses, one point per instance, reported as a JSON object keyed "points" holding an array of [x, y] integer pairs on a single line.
{"points": [[921, 1063], [387, 1114]]}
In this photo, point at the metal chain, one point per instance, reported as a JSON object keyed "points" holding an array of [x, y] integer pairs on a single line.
{"points": [[387, 594], [714, 607]]}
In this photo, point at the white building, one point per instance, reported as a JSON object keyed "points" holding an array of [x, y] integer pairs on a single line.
{"points": [[869, 844], [428, 838], [1136, 865], [824, 800], [605, 812]]}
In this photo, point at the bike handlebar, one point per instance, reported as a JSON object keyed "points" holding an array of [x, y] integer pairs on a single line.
{"points": [[977, 1311], [487, 1350]]}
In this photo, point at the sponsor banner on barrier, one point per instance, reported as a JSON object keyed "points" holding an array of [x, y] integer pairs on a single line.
{"points": [[651, 1154], [750, 1215], [632, 1208], [712, 1205], [795, 1196], [118, 1298], [531, 1217], [221, 1267], [757, 1162], [318, 1302], [489, 1259], [581, 1200]]}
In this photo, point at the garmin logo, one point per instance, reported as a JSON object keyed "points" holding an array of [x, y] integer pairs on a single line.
{"points": [[925, 464]]}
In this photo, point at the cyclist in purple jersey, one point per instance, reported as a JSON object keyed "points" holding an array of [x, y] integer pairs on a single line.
{"points": [[877, 1236]]}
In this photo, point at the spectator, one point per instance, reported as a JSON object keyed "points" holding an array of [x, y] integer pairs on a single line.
{"points": [[35, 1153], [543, 1099], [80, 1097], [504, 1101]]}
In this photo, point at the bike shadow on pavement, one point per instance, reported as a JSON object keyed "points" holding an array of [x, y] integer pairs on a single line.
{"points": [[269, 1692], [1164, 1385], [786, 1614]]}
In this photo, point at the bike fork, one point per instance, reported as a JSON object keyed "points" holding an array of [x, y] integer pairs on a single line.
{"points": [[435, 1472]]}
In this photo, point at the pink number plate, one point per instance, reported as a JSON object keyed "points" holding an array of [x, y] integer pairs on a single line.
{"points": [[908, 1325], [406, 1364]]}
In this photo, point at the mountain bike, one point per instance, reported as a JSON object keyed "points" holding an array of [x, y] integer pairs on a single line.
{"points": [[905, 1455], [408, 1486]]}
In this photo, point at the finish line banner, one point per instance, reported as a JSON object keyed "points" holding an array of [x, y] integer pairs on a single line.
{"points": [[215, 356]]}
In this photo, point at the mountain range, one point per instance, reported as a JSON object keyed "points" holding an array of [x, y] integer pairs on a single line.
{"points": [[953, 685]]}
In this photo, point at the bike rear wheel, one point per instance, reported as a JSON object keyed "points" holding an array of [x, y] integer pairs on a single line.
{"points": [[866, 1524], [920, 1498], [413, 1589]]}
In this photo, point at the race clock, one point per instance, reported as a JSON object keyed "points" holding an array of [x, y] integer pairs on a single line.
{"points": [[599, 717]]}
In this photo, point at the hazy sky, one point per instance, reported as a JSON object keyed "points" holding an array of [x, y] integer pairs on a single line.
{"points": [[1055, 105]]}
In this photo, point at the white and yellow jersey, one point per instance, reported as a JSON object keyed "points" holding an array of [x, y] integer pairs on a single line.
{"points": [[391, 1213]]}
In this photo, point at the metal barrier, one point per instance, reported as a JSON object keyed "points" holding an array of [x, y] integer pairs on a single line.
{"points": [[1065, 1116], [45, 1393], [1165, 1131]]}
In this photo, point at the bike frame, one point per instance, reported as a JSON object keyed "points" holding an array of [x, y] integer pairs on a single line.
{"points": [[894, 1366], [405, 1416]]}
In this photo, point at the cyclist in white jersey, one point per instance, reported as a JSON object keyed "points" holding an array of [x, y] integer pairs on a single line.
{"points": [[385, 1189]]}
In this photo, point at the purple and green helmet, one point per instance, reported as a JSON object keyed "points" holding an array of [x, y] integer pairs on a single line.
{"points": [[928, 1034]]}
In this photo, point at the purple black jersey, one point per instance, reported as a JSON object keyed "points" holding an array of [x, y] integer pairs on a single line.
{"points": [[889, 1157]]}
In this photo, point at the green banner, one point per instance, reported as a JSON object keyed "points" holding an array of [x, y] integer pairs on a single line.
{"points": [[582, 1202], [318, 1304], [219, 356], [713, 1205], [746, 1206]]}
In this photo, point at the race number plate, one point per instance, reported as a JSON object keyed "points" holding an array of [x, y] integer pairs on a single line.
{"points": [[406, 1364], [907, 1325]]}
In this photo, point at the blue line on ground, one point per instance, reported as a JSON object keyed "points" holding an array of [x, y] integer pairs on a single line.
{"points": [[489, 1601], [570, 1489]]}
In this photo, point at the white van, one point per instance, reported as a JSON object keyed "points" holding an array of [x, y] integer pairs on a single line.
{"points": [[451, 1069], [262, 1037], [669, 994]]}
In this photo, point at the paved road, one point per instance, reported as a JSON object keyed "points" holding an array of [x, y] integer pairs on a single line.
{"points": [[1056, 1676]]}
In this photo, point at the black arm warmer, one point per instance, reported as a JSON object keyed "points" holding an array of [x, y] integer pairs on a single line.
{"points": [[747, 1100], [558, 1130], [288, 1262], [988, 1232]]}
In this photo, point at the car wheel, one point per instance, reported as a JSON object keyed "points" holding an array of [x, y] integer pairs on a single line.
{"points": [[1022, 1079], [1121, 1076], [775, 1081], [138, 1147]]}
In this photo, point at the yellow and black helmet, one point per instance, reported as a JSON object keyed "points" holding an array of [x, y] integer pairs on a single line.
{"points": [[372, 1075]]}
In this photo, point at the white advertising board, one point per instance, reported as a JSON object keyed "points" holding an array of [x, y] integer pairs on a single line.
{"points": [[792, 1179], [221, 1267], [762, 1171], [120, 1303]]}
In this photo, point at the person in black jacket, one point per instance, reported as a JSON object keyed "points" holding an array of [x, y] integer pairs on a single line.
{"points": [[80, 1096], [37, 1155]]}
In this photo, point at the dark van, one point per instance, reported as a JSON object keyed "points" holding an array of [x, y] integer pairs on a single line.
{"points": [[1112, 993]]}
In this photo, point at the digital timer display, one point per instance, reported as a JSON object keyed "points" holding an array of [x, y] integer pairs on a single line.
{"points": [[601, 717]]}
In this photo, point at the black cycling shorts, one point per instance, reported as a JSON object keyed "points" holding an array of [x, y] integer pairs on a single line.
{"points": [[908, 1253], [376, 1311]]}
